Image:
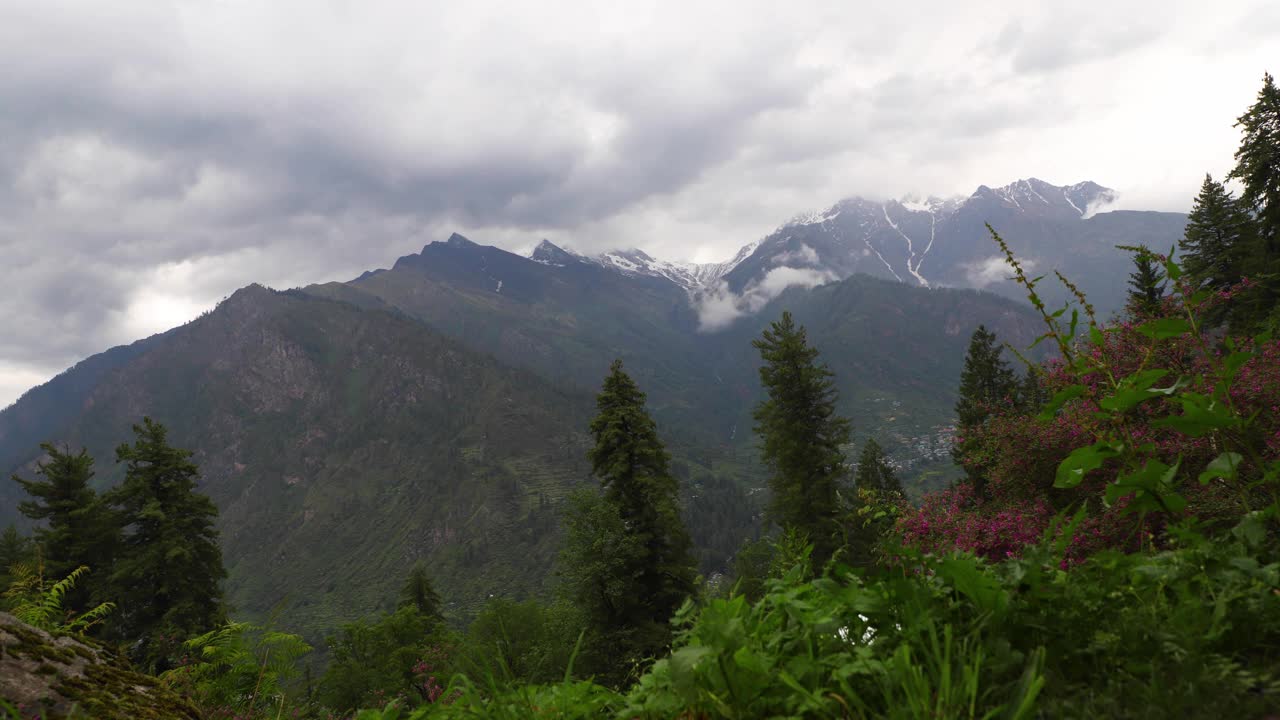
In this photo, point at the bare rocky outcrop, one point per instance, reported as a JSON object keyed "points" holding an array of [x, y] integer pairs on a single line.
{"points": [[46, 676]]}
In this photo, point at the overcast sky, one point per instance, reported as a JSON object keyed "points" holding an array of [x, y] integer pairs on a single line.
{"points": [[155, 156]]}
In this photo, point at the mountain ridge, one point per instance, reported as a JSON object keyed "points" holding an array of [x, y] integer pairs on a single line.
{"points": [[931, 242]]}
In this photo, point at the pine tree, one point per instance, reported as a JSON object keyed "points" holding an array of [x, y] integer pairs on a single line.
{"points": [[78, 528], [419, 593], [874, 470], [1146, 288], [14, 548], [986, 383], [1031, 392], [168, 576], [1258, 163], [801, 436], [1218, 239], [627, 553]]}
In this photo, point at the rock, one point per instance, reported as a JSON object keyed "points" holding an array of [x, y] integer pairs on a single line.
{"points": [[51, 677]]}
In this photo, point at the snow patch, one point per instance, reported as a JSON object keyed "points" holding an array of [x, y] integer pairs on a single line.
{"points": [[813, 217], [911, 253], [1033, 191], [1075, 207]]}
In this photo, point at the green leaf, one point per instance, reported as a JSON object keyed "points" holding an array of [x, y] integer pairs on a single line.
{"points": [[1095, 335], [967, 577], [1236, 360], [1224, 466], [1152, 486], [1252, 530], [1059, 399], [1133, 390], [1165, 328], [1201, 415], [1072, 470], [750, 661]]}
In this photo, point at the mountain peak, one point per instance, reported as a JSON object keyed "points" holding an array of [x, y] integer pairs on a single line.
{"points": [[454, 240], [1035, 195], [548, 253]]}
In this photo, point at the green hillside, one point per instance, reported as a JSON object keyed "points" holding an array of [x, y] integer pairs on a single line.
{"points": [[349, 430], [341, 445]]}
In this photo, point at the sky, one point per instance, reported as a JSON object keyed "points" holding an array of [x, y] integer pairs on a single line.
{"points": [[155, 156]]}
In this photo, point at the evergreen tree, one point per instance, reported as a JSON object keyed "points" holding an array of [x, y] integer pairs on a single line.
{"points": [[1031, 392], [1146, 288], [168, 576], [371, 661], [1218, 239], [78, 528], [986, 382], [627, 553], [14, 548], [801, 436], [420, 594], [874, 470], [1258, 163]]}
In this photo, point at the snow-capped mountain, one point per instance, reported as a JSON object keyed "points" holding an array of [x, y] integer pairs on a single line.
{"points": [[944, 242], [930, 242], [921, 242], [690, 276]]}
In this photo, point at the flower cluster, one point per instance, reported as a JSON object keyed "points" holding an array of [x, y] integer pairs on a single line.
{"points": [[1017, 453]]}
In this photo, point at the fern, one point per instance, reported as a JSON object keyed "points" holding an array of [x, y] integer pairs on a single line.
{"points": [[43, 608], [240, 667]]}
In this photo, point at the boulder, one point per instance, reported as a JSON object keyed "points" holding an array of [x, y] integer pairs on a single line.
{"points": [[48, 676]]}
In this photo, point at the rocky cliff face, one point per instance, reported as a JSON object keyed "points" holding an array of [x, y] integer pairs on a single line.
{"points": [[60, 677]]}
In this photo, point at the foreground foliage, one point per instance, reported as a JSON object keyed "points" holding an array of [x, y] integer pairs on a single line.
{"points": [[1193, 631]]}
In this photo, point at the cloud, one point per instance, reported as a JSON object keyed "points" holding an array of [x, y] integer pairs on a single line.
{"points": [[719, 306], [156, 156], [802, 255], [993, 270]]}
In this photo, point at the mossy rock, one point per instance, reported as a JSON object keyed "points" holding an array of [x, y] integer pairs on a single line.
{"points": [[62, 677]]}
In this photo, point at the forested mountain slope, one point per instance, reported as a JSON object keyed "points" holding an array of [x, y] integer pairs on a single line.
{"points": [[437, 410], [341, 445]]}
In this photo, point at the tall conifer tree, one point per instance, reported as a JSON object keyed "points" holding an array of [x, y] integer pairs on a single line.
{"points": [[78, 528], [874, 471], [801, 436], [1258, 163], [168, 576], [1146, 289], [628, 553], [419, 593], [986, 383], [1218, 239], [14, 548], [1031, 392]]}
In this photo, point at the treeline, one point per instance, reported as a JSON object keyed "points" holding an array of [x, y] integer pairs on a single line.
{"points": [[142, 558], [142, 561], [1112, 551]]}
